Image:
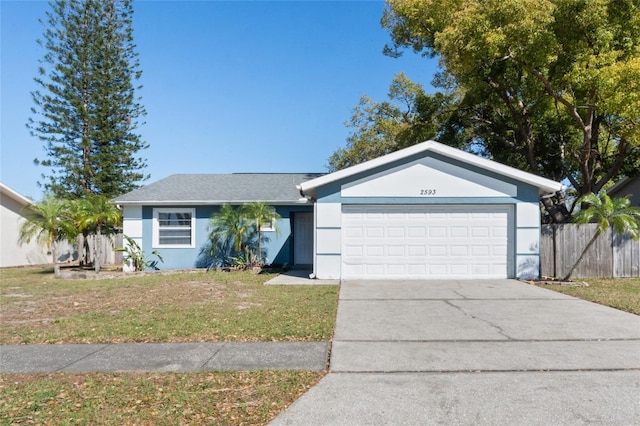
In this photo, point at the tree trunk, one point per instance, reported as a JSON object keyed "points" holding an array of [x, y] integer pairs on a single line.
{"points": [[56, 265], [81, 251], [259, 247], [556, 207], [98, 251], [584, 252]]}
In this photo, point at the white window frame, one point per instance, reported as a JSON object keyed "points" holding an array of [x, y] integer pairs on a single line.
{"points": [[156, 227], [269, 228]]}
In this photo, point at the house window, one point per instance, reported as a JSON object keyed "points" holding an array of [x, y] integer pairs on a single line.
{"points": [[173, 228], [268, 226]]}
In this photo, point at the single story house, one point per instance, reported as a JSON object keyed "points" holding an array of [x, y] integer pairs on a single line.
{"points": [[425, 212]]}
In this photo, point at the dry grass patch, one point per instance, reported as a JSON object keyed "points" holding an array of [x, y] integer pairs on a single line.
{"points": [[182, 307], [252, 398]]}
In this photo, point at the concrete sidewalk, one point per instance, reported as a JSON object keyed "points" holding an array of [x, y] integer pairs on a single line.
{"points": [[299, 277], [164, 357], [494, 352]]}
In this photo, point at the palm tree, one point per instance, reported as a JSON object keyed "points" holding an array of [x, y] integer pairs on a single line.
{"points": [[48, 221], [99, 216], [228, 226], [259, 214], [608, 213], [76, 211]]}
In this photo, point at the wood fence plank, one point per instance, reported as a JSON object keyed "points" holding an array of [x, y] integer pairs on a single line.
{"points": [[611, 255]]}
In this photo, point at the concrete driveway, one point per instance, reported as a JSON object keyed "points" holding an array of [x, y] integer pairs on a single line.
{"points": [[474, 352]]}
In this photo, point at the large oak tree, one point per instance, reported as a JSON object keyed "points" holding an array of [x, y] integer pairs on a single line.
{"points": [[551, 87], [579, 57]]}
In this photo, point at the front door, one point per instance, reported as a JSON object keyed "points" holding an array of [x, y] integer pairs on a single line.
{"points": [[303, 238]]}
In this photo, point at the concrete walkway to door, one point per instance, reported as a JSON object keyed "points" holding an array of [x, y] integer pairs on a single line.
{"points": [[496, 352]]}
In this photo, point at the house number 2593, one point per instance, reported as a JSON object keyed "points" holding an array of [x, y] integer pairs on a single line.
{"points": [[427, 192]]}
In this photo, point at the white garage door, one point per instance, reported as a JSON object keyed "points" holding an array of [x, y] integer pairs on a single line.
{"points": [[418, 242]]}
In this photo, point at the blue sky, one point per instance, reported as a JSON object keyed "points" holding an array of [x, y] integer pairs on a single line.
{"points": [[229, 86]]}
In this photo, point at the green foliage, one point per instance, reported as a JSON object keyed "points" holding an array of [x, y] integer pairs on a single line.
{"points": [[228, 230], [257, 214], [245, 259], [408, 117], [547, 86], [236, 233], [85, 110], [608, 213], [53, 220], [136, 255], [48, 222], [98, 216]]}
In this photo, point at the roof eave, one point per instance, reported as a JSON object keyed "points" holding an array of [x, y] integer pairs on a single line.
{"points": [[21, 199], [204, 202], [544, 185]]}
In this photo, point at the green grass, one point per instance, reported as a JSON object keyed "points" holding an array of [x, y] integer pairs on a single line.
{"points": [[228, 398], [183, 307], [619, 293]]}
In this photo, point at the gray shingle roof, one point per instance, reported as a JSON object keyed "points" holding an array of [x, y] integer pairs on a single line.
{"points": [[220, 188]]}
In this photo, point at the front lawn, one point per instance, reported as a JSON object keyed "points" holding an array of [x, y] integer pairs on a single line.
{"points": [[183, 307], [619, 293], [230, 398]]}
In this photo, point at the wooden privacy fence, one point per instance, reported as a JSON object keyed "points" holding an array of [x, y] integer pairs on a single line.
{"points": [[69, 252], [612, 255]]}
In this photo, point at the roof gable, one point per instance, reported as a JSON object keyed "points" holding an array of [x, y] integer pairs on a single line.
{"points": [[428, 176], [544, 185], [212, 189]]}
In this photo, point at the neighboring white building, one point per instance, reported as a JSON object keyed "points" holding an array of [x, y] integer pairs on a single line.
{"points": [[12, 253]]}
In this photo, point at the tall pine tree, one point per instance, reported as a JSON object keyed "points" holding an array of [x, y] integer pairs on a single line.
{"points": [[86, 111]]}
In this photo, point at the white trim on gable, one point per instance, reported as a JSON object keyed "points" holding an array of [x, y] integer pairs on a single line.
{"points": [[544, 185], [429, 177]]}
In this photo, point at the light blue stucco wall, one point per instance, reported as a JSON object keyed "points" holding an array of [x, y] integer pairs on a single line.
{"points": [[526, 257], [330, 193], [278, 247]]}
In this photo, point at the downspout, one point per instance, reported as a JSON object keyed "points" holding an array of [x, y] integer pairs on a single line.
{"points": [[308, 199], [315, 223]]}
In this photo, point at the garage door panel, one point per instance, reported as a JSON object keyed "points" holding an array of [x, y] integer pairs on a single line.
{"points": [[437, 231], [417, 232], [395, 232], [459, 250], [426, 241], [417, 250], [396, 251], [459, 269], [480, 251], [353, 251], [499, 251], [353, 232]]}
